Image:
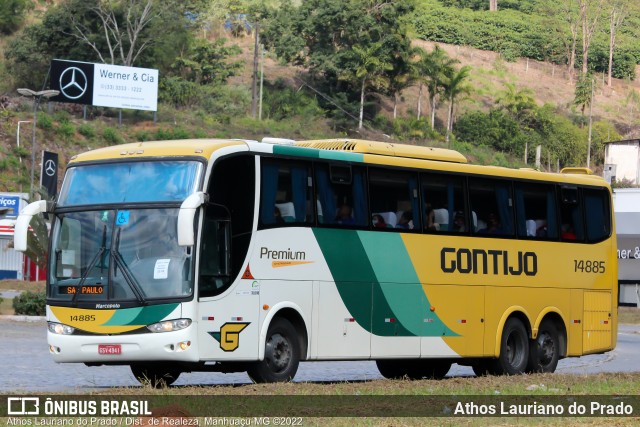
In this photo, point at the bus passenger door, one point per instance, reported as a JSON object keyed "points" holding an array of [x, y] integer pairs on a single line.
{"points": [[340, 332]]}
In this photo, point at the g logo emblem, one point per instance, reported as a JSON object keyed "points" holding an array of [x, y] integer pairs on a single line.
{"points": [[229, 335]]}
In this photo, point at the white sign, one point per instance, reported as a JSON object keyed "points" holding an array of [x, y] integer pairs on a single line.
{"points": [[125, 87], [161, 270]]}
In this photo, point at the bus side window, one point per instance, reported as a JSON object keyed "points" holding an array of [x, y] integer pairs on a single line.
{"points": [[443, 197], [596, 204], [394, 196], [571, 224], [492, 202], [342, 196], [536, 216], [285, 196]]}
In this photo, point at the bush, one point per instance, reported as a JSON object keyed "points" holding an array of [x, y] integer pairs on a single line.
{"points": [[87, 131], [30, 304], [66, 130], [45, 121], [111, 136]]}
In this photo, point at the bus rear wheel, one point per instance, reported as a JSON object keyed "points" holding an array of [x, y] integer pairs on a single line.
{"points": [[544, 351], [281, 354], [155, 375], [514, 349]]}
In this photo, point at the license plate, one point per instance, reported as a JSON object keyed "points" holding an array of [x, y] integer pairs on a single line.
{"points": [[109, 349]]}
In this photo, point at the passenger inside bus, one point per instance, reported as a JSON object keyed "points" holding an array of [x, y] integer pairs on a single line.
{"points": [[406, 221], [344, 216]]}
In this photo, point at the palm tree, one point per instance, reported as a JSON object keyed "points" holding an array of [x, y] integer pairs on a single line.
{"points": [[370, 71], [434, 68], [454, 86], [515, 101]]}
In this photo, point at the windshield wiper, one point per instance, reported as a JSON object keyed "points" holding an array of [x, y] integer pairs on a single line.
{"points": [[126, 273], [92, 264]]}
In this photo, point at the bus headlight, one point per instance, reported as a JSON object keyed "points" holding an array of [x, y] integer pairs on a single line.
{"points": [[60, 329], [169, 325]]}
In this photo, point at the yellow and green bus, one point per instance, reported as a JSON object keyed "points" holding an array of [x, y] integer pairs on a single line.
{"points": [[238, 255]]}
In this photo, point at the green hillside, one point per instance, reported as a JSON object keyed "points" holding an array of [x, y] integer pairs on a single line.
{"points": [[504, 74]]}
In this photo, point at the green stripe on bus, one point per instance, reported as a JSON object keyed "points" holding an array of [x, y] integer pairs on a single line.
{"points": [[373, 269], [315, 153], [400, 284], [141, 316]]}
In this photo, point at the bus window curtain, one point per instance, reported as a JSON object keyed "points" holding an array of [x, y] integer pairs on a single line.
{"points": [[552, 218], [578, 226], [521, 217], [299, 180], [268, 194], [504, 210], [450, 203], [415, 202], [325, 195], [360, 214]]}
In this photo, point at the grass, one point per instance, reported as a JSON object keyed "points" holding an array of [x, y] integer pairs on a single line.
{"points": [[380, 401]]}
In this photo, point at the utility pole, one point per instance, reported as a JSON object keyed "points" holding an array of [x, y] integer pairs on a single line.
{"points": [[590, 125]]}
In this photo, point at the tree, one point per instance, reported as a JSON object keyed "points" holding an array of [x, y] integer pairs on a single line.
{"points": [[320, 35], [618, 12], [12, 14], [590, 11], [564, 16], [584, 92], [435, 67], [455, 85], [493, 5], [515, 101], [369, 71], [123, 23]]}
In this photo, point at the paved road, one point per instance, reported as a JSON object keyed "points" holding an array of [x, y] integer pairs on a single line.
{"points": [[27, 366]]}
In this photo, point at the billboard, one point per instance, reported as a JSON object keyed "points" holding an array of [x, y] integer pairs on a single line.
{"points": [[105, 85]]}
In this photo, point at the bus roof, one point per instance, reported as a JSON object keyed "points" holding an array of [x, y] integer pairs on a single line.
{"points": [[354, 150], [183, 147]]}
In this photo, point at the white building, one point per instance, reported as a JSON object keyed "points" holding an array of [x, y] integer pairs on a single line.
{"points": [[626, 205], [622, 161]]}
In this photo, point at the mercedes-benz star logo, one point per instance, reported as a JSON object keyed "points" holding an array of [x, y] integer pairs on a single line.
{"points": [[50, 167], [73, 82]]}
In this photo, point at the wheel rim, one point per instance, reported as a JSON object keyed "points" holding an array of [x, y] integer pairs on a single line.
{"points": [[546, 348], [278, 353], [515, 349]]}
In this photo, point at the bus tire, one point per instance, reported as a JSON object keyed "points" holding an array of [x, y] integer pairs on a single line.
{"points": [[155, 375], [432, 369], [544, 351], [514, 349], [393, 369], [481, 368], [281, 354]]}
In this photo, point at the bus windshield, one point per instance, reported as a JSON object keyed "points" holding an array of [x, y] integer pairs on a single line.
{"points": [[118, 255], [129, 182]]}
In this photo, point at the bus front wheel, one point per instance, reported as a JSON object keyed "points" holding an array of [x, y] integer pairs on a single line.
{"points": [[514, 349], [155, 375], [544, 351], [281, 354]]}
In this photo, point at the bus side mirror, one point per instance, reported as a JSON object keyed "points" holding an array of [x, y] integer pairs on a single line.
{"points": [[186, 216], [21, 228]]}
